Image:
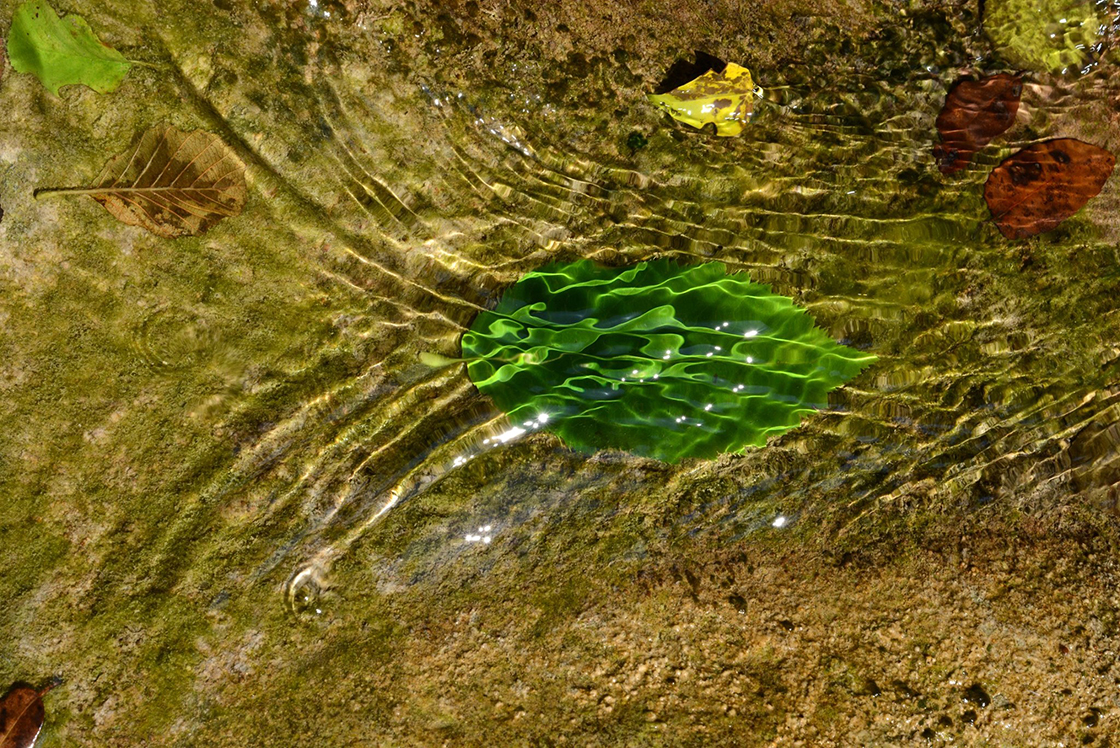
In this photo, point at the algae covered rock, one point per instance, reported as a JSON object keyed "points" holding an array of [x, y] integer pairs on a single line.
{"points": [[1054, 36]]}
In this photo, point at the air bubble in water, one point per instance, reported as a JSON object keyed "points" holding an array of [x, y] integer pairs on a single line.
{"points": [[304, 591]]}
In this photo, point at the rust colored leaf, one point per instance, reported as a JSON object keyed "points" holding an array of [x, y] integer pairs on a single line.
{"points": [[1044, 184], [21, 716], [974, 113], [170, 182]]}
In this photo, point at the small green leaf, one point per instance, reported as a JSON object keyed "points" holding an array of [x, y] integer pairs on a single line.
{"points": [[61, 51], [658, 359]]}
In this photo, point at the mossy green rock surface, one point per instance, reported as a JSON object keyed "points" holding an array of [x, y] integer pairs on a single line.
{"points": [[1054, 36], [656, 359], [201, 435]]}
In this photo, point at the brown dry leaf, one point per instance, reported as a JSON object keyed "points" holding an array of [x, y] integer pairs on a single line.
{"points": [[1044, 184], [170, 182], [21, 716], [974, 113]]}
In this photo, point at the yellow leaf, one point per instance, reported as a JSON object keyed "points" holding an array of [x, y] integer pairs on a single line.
{"points": [[723, 99]]}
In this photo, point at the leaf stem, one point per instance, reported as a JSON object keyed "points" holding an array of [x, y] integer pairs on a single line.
{"points": [[438, 361], [112, 190], [41, 191]]}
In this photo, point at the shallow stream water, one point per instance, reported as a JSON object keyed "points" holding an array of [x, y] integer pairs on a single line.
{"points": [[212, 442]]}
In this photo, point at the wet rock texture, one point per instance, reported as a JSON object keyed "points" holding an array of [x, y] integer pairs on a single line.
{"points": [[200, 435], [779, 649]]}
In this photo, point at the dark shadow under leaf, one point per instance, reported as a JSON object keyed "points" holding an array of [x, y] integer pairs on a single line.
{"points": [[682, 71]]}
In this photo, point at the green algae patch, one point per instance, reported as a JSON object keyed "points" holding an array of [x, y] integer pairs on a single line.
{"points": [[657, 359]]}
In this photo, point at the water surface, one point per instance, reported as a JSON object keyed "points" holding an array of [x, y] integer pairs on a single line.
{"points": [[226, 468]]}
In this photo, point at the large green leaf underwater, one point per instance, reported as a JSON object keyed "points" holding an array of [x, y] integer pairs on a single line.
{"points": [[658, 359]]}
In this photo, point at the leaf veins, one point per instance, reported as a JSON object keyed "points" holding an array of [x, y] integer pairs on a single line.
{"points": [[974, 113], [1044, 184], [21, 715], [170, 182]]}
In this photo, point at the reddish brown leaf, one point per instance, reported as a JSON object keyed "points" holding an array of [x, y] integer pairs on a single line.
{"points": [[21, 716], [1044, 184], [974, 113]]}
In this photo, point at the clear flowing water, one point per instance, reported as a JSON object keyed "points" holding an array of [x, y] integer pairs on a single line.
{"points": [[213, 442]]}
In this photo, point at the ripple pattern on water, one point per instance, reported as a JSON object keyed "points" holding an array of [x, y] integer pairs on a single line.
{"points": [[425, 202], [169, 337]]}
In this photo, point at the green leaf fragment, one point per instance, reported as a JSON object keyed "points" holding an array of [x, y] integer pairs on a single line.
{"points": [[61, 51], [658, 359]]}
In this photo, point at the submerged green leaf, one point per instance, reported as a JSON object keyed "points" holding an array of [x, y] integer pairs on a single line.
{"points": [[61, 51], [658, 359]]}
